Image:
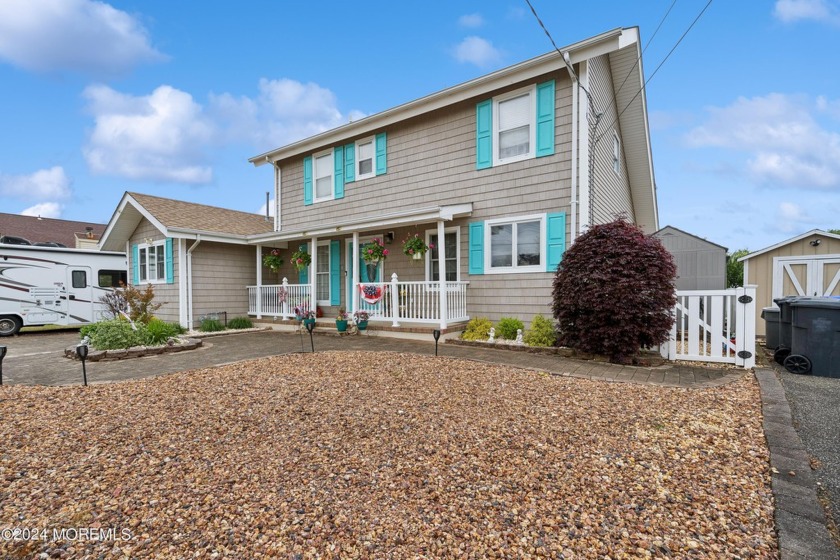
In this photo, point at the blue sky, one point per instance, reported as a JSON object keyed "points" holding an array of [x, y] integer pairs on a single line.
{"points": [[172, 98]]}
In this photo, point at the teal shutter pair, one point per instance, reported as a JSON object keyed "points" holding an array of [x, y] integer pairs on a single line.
{"points": [[555, 243], [335, 271], [169, 263], [544, 126], [344, 169]]}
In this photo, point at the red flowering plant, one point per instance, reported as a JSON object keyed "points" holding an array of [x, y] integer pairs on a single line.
{"points": [[301, 260], [272, 260], [414, 245], [374, 251]]}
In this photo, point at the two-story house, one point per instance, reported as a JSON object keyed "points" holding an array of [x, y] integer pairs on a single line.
{"points": [[500, 174]]}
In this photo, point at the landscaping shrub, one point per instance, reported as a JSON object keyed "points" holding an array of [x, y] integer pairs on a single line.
{"points": [[614, 292], [137, 304], [541, 333], [240, 323], [158, 332], [114, 335], [508, 326], [211, 325], [478, 329]]}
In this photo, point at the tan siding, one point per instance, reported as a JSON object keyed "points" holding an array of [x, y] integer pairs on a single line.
{"points": [[167, 294], [221, 274], [610, 192], [760, 268]]}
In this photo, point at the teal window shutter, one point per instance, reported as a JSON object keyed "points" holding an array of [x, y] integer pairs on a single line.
{"points": [[381, 154], [338, 175], [170, 264], [556, 240], [350, 162], [303, 275], [307, 180], [484, 134], [477, 248], [135, 264], [335, 272], [545, 119]]}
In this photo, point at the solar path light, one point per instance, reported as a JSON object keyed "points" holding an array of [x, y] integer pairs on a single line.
{"points": [[2, 355], [436, 334], [82, 353]]}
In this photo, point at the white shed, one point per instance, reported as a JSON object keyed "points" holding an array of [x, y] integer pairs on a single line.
{"points": [[701, 264]]}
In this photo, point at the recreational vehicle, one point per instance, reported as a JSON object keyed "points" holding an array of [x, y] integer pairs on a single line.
{"points": [[55, 286]]}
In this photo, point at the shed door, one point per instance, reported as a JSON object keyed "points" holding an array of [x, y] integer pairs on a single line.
{"points": [[816, 276]]}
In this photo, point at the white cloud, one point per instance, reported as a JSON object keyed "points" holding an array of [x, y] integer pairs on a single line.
{"points": [[478, 51], [786, 144], [44, 210], [158, 137], [471, 20], [45, 183], [789, 11], [283, 111], [791, 217], [77, 35], [271, 207]]}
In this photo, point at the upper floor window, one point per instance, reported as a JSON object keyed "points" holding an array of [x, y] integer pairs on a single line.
{"points": [[323, 170], [514, 132], [365, 154], [616, 154]]}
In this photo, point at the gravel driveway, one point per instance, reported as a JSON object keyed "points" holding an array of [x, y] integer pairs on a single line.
{"points": [[360, 454]]}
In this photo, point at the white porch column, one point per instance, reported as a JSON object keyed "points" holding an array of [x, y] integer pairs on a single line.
{"points": [[354, 254], [183, 308], [441, 247], [259, 281], [313, 268]]}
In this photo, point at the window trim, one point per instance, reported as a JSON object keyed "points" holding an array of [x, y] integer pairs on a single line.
{"points": [[616, 153], [315, 156], [515, 269], [531, 91], [159, 245], [428, 256], [324, 302], [359, 175]]}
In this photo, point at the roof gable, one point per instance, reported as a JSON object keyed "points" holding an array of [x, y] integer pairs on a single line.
{"points": [[789, 241], [677, 231]]}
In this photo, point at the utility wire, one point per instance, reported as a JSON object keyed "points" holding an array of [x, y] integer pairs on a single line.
{"points": [[696, 19]]}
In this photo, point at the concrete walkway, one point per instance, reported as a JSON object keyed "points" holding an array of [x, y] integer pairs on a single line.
{"points": [[37, 359]]}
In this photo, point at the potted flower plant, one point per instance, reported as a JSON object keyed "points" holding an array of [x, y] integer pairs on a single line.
{"points": [[374, 251], [361, 318], [341, 320], [272, 260], [301, 260], [304, 315], [415, 247]]}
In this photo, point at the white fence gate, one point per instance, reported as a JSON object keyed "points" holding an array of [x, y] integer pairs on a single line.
{"points": [[713, 326]]}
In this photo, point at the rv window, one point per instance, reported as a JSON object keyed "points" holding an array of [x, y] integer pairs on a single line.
{"points": [[79, 279], [112, 278]]}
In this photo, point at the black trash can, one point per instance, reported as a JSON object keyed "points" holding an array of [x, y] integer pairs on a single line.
{"points": [[771, 327], [815, 337], [785, 328]]}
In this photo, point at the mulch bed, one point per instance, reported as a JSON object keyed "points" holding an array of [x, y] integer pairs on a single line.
{"points": [[385, 455]]}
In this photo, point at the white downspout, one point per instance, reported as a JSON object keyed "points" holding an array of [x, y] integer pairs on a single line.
{"points": [[183, 308], [190, 281], [575, 125]]}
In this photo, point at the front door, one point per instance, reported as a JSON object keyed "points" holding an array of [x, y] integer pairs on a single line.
{"points": [[79, 293]]}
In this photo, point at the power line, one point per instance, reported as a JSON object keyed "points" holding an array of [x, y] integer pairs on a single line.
{"points": [[696, 19]]}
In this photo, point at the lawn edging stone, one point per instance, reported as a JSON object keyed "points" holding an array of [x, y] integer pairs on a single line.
{"points": [[134, 351]]}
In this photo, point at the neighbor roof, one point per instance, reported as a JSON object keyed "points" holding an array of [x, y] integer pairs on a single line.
{"points": [[176, 218], [38, 229], [703, 239]]}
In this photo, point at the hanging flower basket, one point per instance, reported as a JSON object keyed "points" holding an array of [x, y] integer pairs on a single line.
{"points": [[301, 260], [371, 294], [272, 260], [413, 246], [374, 251]]}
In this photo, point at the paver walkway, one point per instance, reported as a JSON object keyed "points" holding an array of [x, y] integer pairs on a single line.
{"points": [[37, 359]]}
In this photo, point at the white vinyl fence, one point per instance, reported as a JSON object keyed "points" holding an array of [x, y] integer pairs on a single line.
{"points": [[713, 326]]}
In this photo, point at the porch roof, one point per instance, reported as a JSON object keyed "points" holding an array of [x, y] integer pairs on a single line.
{"points": [[366, 223]]}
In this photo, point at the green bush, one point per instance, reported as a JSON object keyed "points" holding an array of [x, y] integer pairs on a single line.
{"points": [[158, 332], [240, 323], [211, 325], [88, 330], [114, 335], [478, 329], [541, 333], [508, 326]]}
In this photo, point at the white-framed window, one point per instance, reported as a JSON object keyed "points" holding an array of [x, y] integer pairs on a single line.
{"points": [[323, 165], [365, 158], [452, 239], [514, 126], [152, 263], [322, 274], [616, 154], [515, 244]]}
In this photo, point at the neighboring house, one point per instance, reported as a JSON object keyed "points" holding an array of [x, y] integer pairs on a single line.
{"points": [[701, 264], [805, 265], [38, 230], [197, 257], [500, 173]]}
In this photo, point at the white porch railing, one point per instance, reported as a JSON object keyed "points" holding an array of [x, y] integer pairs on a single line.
{"points": [[278, 300], [713, 326], [416, 302]]}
